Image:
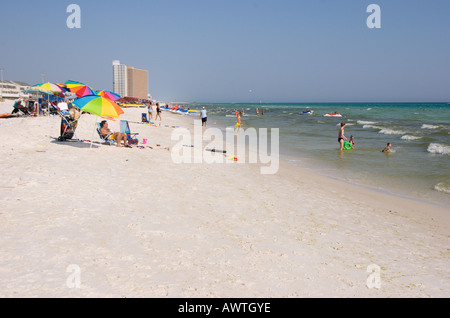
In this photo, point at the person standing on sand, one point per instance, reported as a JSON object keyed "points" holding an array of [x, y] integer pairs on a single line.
{"points": [[341, 137], [158, 112], [204, 117], [150, 110]]}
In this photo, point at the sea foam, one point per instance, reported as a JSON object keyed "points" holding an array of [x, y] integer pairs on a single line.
{"points": [[372, 126], [438, 149], [442, 187], [366, 122], [408, 137], [426, 126], [387, 131]]}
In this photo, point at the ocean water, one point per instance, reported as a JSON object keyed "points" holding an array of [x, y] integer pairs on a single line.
{"points": [[417, 167]]}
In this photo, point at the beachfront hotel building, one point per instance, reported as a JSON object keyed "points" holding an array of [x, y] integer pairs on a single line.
{"points": [[12, 89], [120, 78], [130, 81], [137, 83]]}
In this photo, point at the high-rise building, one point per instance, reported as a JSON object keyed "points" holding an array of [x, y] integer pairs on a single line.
{"points": [[120, 79], [137, 83], [129, 81]]}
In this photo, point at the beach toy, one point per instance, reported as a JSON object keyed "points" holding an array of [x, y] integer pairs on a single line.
{"points": [[348, 146], [144, 141]]}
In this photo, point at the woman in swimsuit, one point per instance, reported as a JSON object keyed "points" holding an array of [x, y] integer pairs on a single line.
{"points": [[341, 137], [158, 112]]}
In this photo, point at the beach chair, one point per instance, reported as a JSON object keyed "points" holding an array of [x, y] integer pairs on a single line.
{"points": [[69, 125], [53, 110], [108, 139], [125, 128]]}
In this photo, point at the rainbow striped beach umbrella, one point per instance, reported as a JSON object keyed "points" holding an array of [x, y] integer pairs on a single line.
{"points": [[98, 105], [38, 90], [108, 94], [54, 88], [79, 89], [64, 87]]}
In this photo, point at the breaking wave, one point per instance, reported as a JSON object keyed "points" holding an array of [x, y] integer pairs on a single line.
{"points": [[439, 149]]}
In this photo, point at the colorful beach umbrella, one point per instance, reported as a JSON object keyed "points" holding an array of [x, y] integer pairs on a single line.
{"points": [[108, 94], [98, 105], [64, 87], [52, 87], [38, 90], [79, 89]]}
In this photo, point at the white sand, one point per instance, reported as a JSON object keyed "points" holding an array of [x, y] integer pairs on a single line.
{"points": [[138, 225]]}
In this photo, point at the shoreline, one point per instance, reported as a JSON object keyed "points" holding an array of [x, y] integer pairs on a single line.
{"points": [[377, 189], [139, 225], [404, 193]]}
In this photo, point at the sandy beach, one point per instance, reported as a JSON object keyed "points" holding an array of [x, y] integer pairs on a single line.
{"points": [[136, 224]]}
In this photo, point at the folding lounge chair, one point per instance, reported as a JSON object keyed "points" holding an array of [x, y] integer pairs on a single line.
{"points": [[69, 123], [125, 128], [53, 110], [68, 128], [108, 139]]}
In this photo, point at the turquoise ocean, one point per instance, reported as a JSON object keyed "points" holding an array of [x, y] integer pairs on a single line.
{"points": [[418, 166]]}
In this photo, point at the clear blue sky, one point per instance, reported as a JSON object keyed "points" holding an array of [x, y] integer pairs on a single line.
{"points": [[237, 50]]}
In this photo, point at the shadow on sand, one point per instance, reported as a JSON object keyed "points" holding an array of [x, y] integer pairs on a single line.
{"points": [[77, 143]]}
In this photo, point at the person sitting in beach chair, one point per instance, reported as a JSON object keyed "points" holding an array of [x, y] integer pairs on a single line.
{"points": [[19, 108], [125, 129], [109, 136]]}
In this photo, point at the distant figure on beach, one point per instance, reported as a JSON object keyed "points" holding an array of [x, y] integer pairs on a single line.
{"points": [[352, 141], [341, 136], [150, 110], [257, 111], [238, 122], [19, 107], [118, 137], [262, 111], [204, 117], [158, 112], [349, 145], [387, 148]]}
